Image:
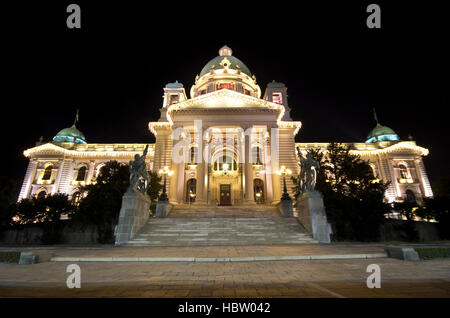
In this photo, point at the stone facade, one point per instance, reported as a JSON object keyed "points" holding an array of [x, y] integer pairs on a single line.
{"points": [[247, 139]]}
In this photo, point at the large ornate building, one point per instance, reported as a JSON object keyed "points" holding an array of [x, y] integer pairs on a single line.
{"points": [[234, 143]]}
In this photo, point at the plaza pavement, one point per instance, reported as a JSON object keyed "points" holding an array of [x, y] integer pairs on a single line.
{"points": [[280, 278]]}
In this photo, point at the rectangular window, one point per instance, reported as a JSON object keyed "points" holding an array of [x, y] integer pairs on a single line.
{"points": [[174, 99], [276, 98], [226, 86], [246, 92]]}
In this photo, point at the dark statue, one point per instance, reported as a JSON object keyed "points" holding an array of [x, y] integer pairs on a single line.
{"points": [[308, 172], [138, 173]]}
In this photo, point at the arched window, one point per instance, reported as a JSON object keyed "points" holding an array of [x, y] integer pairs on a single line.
{"points": [[41, 194], [192, 155], [76, 197], [225, 163], [258, 191], [191, 190], [47, 173], [257, 155], [403, 171], [410, 197], [81, 174]]}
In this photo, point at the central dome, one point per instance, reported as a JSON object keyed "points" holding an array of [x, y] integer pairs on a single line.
{"points": [[225, 56], [382, 133], [71, 134]]}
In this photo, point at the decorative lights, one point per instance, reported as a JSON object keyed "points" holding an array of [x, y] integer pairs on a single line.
{"points": [[284, 172], [164, 172]]}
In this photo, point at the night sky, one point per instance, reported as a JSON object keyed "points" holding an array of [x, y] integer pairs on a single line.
{"points": [[114, 68]]}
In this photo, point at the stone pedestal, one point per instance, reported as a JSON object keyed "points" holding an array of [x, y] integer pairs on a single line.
{"points": [[311, 213], [163, 208], [134, 213], [285, 207]]}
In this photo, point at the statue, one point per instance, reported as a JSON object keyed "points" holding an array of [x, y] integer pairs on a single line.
{"points": [[308, 172], [138, 173]]}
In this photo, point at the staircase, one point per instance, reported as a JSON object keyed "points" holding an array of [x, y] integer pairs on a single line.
{"points": [[230, 226]]}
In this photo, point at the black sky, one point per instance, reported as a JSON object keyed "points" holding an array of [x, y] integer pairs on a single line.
{"points": [[114, 68]]}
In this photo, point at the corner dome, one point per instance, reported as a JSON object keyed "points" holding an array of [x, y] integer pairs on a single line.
{"points": [[382, 133], [71, 134], [225, 57]]}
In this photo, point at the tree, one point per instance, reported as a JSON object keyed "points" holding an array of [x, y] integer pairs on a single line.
{"points": [[102, 204], [353, 198], [46, 212], [409, 210], [438, 207], [9, 190], [154, 188]]}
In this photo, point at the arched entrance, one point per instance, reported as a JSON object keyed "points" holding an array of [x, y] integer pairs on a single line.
{"points": [[258, 191], [191, 188]]}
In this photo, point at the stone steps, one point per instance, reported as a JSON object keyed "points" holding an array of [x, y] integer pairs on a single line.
{"points": [[238, 211], [221, 231]]}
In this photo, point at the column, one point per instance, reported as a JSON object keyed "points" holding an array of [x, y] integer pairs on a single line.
{"points": [[181, 182], [91, 172], [268, 186], [248, 169], [201, 172], [28, 180], [276, 180]]}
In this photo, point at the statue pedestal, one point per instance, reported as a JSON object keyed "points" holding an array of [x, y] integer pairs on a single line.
{"points": [[285, 207], [134, 213], [163, 208], [311, 213]]}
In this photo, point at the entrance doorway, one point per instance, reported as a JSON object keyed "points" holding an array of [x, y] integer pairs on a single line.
{"points": [[225, 194], [191, 190], [258, 191]]}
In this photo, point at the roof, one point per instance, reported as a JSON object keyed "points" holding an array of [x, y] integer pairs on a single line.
{"points": [[174, 85], [274, 84], [225, 53], [71, 134], [381, 133]]}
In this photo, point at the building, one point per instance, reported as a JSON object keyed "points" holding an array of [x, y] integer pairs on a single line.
{"points": [[225, 145]]}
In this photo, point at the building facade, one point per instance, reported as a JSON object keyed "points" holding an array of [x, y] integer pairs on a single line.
{"points": [[225, 145]]}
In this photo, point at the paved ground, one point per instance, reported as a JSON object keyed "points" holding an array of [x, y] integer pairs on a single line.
{"points": [[312, 278]]}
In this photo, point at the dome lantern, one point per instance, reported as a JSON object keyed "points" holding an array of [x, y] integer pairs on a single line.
{"points": [[225, 51]]}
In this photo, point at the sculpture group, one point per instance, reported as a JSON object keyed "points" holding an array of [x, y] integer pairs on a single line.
{"points": [[138, 173], [308, 172]]}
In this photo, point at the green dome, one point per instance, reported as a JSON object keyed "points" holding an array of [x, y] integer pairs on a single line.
{"points": [[71, 134], [382, 133], [225, 52]]}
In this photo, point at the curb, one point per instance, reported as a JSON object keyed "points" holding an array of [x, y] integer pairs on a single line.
{"points": [[218, 259]]}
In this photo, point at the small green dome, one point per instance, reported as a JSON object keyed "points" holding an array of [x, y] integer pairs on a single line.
{"points": [[235, 63], [71, 134], [382, 133], [174, 85]]}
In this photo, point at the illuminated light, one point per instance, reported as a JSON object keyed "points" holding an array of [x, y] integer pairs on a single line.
{"points": [[403, 145], [76, 183], [291, 124], [192, 167], [408, 180], [165, 171], [284, 171], [82, 152]]}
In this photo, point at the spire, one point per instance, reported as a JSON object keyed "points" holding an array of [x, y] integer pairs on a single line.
{"points": [[375, 115], [76, 118]]}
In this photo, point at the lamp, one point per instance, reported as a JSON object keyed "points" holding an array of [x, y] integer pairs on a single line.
{"points": [[164, 172], [283, 172]]}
